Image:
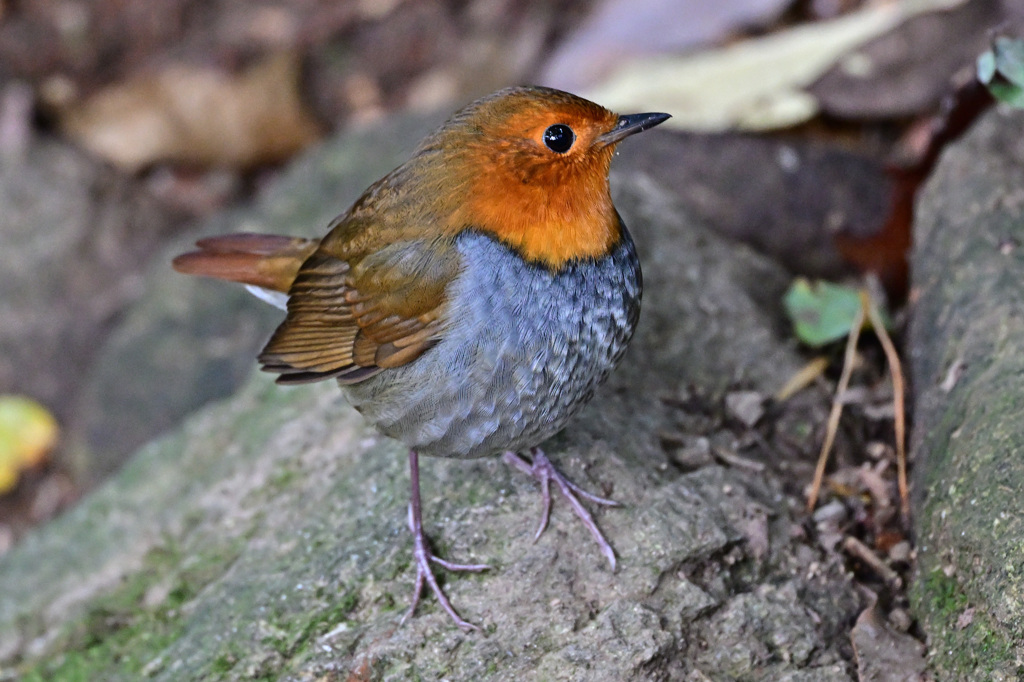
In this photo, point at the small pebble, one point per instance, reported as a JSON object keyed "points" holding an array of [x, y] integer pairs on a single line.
{"points": [[899, 620], [900, 552], [834, 512]]}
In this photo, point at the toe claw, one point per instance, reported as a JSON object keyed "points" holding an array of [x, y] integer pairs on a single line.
{"points": [[544, 471], [423, 557]]}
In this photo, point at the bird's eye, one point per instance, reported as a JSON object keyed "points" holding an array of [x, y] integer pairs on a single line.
{"points": [[559, 138]]}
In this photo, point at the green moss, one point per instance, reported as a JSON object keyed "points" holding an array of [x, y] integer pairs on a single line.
{"points": [[387, 602], [392, 570], [345, 605], [295, 633], [223, 664], [281, 478], [976, 645], [943, 594], [120, 636]]}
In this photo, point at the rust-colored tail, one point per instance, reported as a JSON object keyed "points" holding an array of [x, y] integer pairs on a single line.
{"points": [[263, 260]]}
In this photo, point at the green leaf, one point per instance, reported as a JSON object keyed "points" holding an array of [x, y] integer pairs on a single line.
{"points": [[1009, 54], [821, 312], [1011, 94], [1002, 70]]}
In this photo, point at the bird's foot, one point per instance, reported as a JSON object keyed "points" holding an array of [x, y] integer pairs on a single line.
{"points": [[423, 556], [544, 472]]}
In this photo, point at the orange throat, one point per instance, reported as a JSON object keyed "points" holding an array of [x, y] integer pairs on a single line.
{"points": [[552, 223]]}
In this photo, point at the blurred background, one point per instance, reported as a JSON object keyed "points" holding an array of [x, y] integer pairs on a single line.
{"points": [[803, 128]]}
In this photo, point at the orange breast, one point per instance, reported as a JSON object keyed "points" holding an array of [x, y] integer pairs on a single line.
{"points": [[551, 213]]}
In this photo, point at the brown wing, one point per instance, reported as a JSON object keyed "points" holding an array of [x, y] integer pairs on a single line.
{"points": [[354, 312]]}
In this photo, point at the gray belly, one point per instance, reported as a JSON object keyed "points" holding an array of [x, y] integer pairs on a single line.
{"points": [[526, 351]]}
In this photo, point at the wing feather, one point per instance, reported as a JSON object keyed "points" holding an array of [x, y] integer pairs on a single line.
{"points": [[352, 315]]}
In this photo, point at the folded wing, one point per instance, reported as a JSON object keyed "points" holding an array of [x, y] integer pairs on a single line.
{"points": [[352, 315]]}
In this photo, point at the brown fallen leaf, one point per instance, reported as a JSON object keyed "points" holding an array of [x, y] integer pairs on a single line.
{"points": [[884, 654], [197, 115]]}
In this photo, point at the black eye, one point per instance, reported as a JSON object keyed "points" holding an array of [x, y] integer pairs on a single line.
{"points": [[559, 138]]}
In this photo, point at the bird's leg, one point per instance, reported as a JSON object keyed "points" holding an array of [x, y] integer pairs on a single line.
{"points": [[544, 471], [423, 555]]}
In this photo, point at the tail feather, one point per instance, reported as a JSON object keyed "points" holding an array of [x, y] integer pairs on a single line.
{"points": [[260, 260]]}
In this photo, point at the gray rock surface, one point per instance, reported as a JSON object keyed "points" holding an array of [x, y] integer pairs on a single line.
{"points": [[74, 236], [265, 538], [967, 353]]}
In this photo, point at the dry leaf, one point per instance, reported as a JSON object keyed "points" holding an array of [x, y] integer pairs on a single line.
{"points": [[621, 29], [883, 654], [197, 116], [755, 84], [803, 378]]}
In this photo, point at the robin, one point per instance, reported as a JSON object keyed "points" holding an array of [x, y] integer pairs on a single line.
{"points": [[470, 301]]}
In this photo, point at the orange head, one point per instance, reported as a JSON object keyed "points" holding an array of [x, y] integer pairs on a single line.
{"points": [[528, 165]]}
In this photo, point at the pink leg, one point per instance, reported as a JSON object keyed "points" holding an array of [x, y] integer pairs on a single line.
{"points": [[544, 471], [423, 555]]}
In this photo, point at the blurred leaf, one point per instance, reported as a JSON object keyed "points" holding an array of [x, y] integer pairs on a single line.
{"points": [[615, 30], [755, 84], [1001, 69], [27, 434], [197, 115], [822, 312], [1009, 56]]}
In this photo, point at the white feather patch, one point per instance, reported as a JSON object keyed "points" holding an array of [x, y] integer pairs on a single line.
{"points": [[274, 298]]}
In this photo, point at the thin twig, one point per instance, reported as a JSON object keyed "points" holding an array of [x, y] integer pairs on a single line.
{"points": [[837, 407], [898, 390], [803, 378], [858, 549]]}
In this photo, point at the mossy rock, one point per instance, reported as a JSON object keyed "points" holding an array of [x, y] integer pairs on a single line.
{"points": [[967, 355]]}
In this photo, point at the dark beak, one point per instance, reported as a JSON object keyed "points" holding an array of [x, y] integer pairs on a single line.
{"points": [[632, 123]]}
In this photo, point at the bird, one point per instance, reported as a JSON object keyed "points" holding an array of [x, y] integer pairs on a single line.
{"points": [[469, 302]]}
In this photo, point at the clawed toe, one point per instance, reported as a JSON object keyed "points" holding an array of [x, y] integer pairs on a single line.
{"points": [[423, 556], [544, 472]]}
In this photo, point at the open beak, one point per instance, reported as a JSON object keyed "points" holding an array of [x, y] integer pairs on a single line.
{"points": [[629, 124]]}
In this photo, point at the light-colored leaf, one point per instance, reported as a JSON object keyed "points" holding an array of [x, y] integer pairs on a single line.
{"points": [[755, 84], [27, 434], [623, 29]]}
